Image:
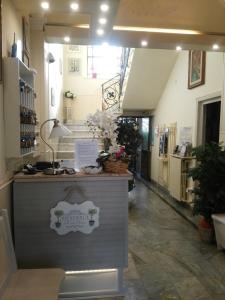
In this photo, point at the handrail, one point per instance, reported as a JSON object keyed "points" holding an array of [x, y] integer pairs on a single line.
{"points": [[111, 91], [112, 88], [110, 79]]}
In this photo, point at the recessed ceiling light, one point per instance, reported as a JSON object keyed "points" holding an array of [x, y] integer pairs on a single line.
{"points": [[102, 21], [45, 5], [67, 39], [215, 47], [104, 7], [178, 48], [144, 43], [74, 6], [100, 31]]}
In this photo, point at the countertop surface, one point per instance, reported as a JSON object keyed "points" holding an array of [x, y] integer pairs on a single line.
{"points": [[21, 177]]}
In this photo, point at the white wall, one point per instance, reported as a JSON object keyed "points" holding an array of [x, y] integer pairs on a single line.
{"points": [[55, 75], [88, 90], [148, 76], [179, 104]]}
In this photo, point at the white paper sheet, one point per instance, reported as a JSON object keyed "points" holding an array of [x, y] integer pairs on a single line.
{"points": [[185, 135], [86, 153]]}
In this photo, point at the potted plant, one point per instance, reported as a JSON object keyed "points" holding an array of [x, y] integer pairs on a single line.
{"points": [[209, 176], [129, 137]]}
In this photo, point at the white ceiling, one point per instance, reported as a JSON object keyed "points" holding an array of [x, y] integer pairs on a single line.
{"points": [[148, 76], [207, 16]]}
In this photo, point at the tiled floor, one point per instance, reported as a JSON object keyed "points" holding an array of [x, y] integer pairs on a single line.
{"points": [[167, 260]]}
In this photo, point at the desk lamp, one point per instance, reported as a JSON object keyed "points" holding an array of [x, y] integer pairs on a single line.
{"points": [[58, 130]]}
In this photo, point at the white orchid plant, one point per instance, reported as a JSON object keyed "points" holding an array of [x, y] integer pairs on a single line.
{"points": [[103, 125]]}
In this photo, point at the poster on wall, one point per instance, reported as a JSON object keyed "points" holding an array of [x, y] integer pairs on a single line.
{"points": [[185, 135], [67, 217]]}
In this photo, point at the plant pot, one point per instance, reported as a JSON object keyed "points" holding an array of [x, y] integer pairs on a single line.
{"points": [[206, 231], [115, 166]]}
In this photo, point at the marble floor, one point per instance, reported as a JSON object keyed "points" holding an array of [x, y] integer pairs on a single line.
{"points": [[167, 260]]}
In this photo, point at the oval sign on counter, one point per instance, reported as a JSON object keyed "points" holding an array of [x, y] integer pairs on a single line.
{"points": [[66, 217]]}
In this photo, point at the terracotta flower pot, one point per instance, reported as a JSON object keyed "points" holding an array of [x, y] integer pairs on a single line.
{"points": [[206, 231]]}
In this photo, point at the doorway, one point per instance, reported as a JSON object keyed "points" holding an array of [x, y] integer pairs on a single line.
{"points": [[211, 127], [143, 162], [209, 121]]}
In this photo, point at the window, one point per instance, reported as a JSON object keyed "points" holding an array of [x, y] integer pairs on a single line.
{"points": [[103, 61]]}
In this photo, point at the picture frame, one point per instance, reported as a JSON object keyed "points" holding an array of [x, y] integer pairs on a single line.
{"points": [[183, 150], [1, 41], [74, 65], [196, 68], [73, 48]]}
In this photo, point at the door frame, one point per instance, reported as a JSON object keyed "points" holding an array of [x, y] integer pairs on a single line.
{"points": [[200, 103]]}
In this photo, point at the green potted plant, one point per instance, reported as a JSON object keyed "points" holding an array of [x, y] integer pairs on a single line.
{"points": [[209, 176], [129, 137]]}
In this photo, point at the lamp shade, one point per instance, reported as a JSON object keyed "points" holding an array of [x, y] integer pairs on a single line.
{"points": [[59, 130]]}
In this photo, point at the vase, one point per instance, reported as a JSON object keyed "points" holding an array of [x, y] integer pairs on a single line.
{"points": [[206, 231]]}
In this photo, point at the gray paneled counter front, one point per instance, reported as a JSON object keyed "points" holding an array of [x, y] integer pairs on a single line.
{"points": [[37, 245]]}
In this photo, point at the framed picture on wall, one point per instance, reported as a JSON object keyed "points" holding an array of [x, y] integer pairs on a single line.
{"points": [[74, 65], [0, 40], [74, 48], [196, 68]]}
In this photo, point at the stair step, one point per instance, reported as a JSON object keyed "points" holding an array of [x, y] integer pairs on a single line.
{"points": [[65, 155], [71, 146]]}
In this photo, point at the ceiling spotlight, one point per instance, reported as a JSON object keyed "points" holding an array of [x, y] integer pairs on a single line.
{"points": [[215, 47], [178, 48], [144, 43], [74, 6], [45, 5], [67, 39], [104, 7], [100, 31], [102, 21]]}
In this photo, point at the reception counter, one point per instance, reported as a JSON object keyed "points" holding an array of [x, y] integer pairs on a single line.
{"points": [[75, 222]]}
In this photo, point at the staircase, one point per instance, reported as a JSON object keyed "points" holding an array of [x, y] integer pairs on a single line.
{"points": [[113, 90], [66, 144]]}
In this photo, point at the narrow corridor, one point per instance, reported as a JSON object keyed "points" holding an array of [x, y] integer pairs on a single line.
{"points": [[167, 260]]}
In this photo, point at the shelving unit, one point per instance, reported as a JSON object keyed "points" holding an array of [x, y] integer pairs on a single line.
{"points": [[19, 108], [179, 181]]}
